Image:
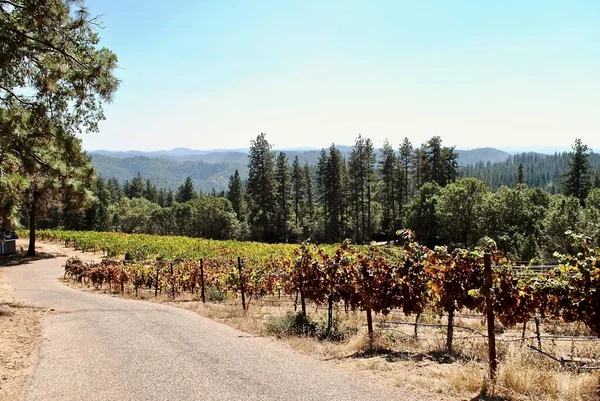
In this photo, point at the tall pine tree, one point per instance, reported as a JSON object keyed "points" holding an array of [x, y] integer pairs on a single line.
{"points": [[282, 194], [576, 180], [235, 194], [260, 190]]}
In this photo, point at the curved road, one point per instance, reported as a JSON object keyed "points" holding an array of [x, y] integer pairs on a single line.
{"points": [[101, 348]]}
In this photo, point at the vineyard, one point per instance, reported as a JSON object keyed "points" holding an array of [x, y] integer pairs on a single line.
{"points": [[410, 279]]}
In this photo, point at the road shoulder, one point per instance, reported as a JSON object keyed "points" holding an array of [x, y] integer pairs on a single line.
{"points": [[21, 333]]}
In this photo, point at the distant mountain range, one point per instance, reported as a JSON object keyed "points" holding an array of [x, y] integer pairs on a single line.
{"points": [[212, 168]]}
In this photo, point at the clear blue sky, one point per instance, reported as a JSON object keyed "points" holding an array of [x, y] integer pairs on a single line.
{"points": [[214, 74]]}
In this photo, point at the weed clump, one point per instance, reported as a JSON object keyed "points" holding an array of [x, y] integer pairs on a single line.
{"points": [[297, 324], [212, 294]]}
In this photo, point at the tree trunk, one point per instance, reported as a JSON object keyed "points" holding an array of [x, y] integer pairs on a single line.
{"points": [[32, 223], [450, 333]]}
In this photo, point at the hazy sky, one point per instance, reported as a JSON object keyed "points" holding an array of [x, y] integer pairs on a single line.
{"points": [[214, 74]]}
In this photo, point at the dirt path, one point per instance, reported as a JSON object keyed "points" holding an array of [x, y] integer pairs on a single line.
{"points": [[97, 347]]}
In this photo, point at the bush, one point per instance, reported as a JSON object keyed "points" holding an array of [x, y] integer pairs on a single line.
{"points": [[291, 324], [296, 324], [213, 294]]}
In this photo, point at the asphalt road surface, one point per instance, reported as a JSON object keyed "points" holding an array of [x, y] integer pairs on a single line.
{"points": [[97, 347]]}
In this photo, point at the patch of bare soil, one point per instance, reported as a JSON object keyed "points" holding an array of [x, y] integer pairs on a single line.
{"points": [[20, 337]]}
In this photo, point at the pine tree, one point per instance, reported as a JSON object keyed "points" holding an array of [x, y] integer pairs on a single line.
{"points": [[170, 198], [438, 163], [235, 194], [50, 49], [298, 191], [115, 190], [161, 198], [361, 177], [261, 188], [101, 220], [576, 180], [389, 177], [309, 201], [449, 157], [136, 188], [520, 174], [405, 192], [419, 163], [283, 186], [334, 193], [186, 191], [322, 190], [151, 192]]}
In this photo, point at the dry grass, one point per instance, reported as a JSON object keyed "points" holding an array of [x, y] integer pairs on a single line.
{"points": [[528, 376]]}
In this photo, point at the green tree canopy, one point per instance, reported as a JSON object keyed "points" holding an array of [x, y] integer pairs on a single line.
{"points": [[461, 211], [186, 191], [577, 179], [54, 79], [261, 190]]}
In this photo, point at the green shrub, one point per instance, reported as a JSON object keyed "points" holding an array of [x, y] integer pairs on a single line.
{"points": [[213, 294], [291, 324], [296, 324]]}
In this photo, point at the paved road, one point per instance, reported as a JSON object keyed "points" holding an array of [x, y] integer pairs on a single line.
{"points": [[101, 348]]}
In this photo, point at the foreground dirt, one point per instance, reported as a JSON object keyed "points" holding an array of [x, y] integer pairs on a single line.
{"points": [[20, 337]]}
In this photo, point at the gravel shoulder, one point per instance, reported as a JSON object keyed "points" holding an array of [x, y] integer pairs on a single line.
{"points": [[97, 347]]}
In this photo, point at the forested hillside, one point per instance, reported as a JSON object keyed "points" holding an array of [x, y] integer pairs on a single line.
{"points": [[539, 170], [211, 169], [166, 173]]}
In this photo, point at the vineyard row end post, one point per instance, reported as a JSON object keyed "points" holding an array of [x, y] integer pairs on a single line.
{"points": [[202, 281], [242, 290], [156, 286], [172, 281], [487, 264]]}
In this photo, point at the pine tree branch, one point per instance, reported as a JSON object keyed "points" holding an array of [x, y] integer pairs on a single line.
{"points": [[48, 45], [15, 96], [11, 3]]}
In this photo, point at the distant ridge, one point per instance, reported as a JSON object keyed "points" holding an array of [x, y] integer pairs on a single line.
{"points": [[212, 168], [485, 155], [305, 154]]}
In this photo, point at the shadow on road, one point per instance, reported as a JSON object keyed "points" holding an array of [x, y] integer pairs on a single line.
{"points": [[22, 258]]}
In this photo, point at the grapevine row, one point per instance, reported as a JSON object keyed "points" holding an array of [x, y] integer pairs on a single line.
{"points": [[412, 278]]}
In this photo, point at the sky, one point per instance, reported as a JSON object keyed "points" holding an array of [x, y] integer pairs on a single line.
{"points": [[215, 74]]}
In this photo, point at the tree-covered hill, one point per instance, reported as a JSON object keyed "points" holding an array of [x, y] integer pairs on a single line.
{"points": [[168, 173], [212, 169], [539, 170], [466, 157]]}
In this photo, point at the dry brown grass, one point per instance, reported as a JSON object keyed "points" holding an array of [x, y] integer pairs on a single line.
{"points": [[524, 375]]}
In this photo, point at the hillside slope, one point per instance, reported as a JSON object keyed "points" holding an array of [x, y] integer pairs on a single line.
{"points": [[212, 169]]}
